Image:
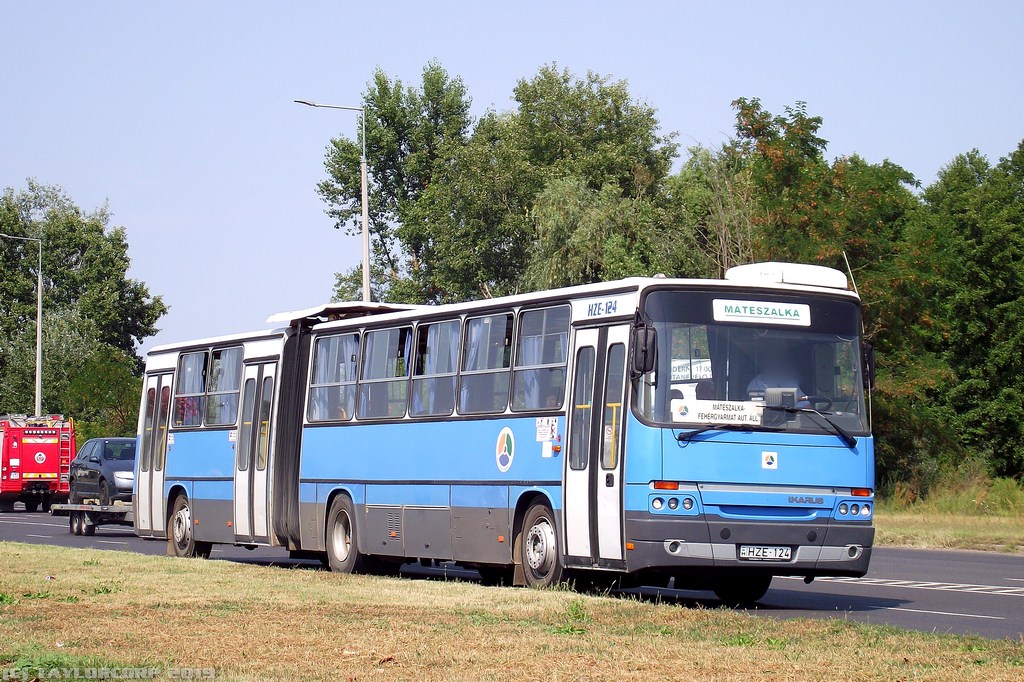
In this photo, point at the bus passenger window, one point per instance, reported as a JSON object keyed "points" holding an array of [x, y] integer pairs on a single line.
{"points": [[437, 359], [223, 386], [385, 368], [332, 391], [541, 353], [190, 389], [485, 364]]}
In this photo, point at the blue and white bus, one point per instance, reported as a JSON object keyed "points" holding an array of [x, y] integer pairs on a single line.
{"points": [[712, 431]]}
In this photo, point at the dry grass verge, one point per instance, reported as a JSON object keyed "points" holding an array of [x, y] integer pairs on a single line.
{"points": [[943, 530], [87, 607]]}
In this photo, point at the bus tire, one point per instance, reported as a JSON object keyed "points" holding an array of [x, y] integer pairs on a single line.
{"points": [[542, 562], [75, 523], [740, 591], [180, 538], [32, 506], [342, 546]]}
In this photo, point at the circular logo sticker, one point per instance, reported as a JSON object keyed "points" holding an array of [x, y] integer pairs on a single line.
{"points": [[505, 450], [40, 457]]}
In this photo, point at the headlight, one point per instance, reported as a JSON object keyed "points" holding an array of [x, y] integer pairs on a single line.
{"points": [[125, 475]]}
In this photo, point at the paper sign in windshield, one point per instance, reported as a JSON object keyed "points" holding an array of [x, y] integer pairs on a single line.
{"points": [[716, 411], [762, 312]]}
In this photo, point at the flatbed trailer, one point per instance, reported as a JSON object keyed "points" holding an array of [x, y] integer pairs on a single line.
{"points": [[83, 519]]}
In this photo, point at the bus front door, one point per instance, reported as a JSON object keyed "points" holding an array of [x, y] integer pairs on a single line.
{"points": [[252, 454], [593, 467], [149, 481]]}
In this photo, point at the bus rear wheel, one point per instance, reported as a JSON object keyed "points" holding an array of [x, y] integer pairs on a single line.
{"points": [[742, 591], [542, 564], [342, 547], [180, 536]]}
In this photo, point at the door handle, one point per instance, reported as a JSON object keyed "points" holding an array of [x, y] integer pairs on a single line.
{"points": [[609, 480]]}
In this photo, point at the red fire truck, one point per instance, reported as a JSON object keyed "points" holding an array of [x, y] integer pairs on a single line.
{"points": [[35, 458]]}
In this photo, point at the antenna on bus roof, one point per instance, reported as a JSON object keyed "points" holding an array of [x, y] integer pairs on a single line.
{"points": [[849, 271]]}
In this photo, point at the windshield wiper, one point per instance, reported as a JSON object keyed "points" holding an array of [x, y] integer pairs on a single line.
{"points": [[685, 436], [848, 440]]}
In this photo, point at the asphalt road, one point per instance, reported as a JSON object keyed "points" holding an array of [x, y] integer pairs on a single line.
{"points": [[930, 590]]}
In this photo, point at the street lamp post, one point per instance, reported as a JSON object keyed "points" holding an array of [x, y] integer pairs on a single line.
{"points": [[363, 187], [39, 320]]}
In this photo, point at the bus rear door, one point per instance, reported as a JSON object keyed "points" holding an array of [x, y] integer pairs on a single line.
{"points": [[593, 467]]}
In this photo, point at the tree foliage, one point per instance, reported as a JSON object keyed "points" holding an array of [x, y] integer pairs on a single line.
{"points": [[575, 185], [93, 313], [455, 218]]}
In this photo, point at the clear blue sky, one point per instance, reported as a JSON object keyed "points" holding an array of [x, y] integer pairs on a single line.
{"points": [[180, 115]]}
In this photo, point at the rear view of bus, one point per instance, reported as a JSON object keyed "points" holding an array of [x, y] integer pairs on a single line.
{"points": [[748, 449]]}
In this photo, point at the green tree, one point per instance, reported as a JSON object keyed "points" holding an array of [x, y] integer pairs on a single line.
{"points": [[85, 264], [814, 211], [979, 209], [94, 314], [409, 132], [463, 224], [585, 236]]}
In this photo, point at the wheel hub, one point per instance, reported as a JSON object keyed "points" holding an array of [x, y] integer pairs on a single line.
{"points": [[182, 525], [342, 538], [540, 546]]}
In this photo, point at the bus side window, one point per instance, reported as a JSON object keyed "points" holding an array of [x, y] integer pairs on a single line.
{"points": [[437, 359], [485, 364], [383, 385], [190, 389], [223, 386], [541, 353], [332, 391]]}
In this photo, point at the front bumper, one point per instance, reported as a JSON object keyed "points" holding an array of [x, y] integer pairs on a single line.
{"points": [[676, 544]]}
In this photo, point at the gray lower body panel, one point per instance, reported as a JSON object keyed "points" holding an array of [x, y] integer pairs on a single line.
{"points": [[680, 544]]}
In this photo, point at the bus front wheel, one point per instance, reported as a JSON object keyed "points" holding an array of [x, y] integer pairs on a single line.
{"points": [[180, 536], [342, 549], [542, 565]]}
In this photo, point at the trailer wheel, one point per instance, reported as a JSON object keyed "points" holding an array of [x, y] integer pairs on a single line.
{"points": [[342, 548], [542, 564], [87, 528], [180, 539], [75, 522]]}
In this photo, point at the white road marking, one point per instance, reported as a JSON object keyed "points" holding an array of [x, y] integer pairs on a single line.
{"points": [[1002, 590], [33, 523], [947, 613], [111, 542], [47, 537]]}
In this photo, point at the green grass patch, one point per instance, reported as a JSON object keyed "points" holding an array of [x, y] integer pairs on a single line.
{"points": [[254, 623]]}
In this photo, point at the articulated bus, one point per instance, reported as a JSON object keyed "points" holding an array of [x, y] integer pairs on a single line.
{"points": [[714, 432]]}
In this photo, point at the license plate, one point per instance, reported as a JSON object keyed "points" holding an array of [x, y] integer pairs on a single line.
{"points": [[763, 553]]}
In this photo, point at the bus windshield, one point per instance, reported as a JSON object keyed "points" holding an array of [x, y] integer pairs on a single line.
{"points": [[767, 361]]}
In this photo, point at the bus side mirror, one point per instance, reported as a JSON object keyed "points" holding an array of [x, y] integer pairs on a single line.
{"points": [[645, 349], [868, 352]]}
